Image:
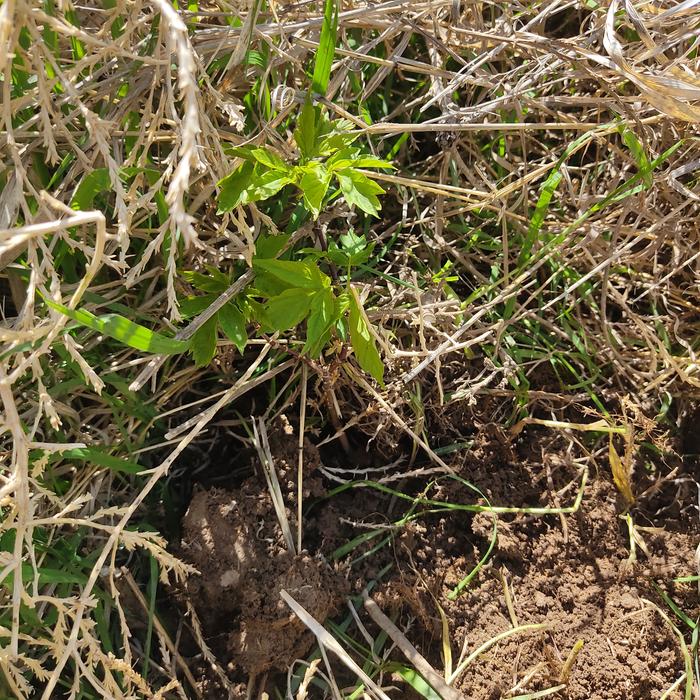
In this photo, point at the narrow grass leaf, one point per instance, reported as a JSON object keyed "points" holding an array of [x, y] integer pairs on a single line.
{"points": [[417, 682], [93, 455], [90, 186], [326, 48], [123, 330]]}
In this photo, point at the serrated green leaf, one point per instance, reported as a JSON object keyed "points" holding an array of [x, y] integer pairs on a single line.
{"points": [[360, 191], [203, 343], [343, 159], [288, 309], [264, 185], [206, 283], [260, 155], [305, 133], [321, 319], [303, 274], [233, 187], [123, 330], [314, 185], [233, 325], [193, 306], [354, 251], [270, 159], [269, 246], [362, 341], [326, 48], [339, 139]]}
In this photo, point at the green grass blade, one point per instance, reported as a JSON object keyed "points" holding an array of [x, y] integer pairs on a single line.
{"points": [[326, 48], [123, 330], [102, 459]]}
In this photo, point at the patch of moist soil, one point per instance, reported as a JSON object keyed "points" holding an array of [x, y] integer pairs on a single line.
{"points": [[571, 572], [233, 539]]}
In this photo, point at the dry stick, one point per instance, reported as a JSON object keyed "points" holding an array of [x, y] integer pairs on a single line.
{"points": [[156, 362], [162, 631], [411, 653]]}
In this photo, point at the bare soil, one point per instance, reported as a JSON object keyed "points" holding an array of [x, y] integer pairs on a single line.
{"points": [[572, 572]]}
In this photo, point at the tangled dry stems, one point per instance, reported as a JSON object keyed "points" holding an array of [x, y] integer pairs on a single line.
{"points": [[494, 97]]}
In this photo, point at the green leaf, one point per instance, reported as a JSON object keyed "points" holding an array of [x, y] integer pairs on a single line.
{"points": [[90, 186], [267, 246], [354, 251], [314, 185], [417, 682], [270, 159], [233, 325], [123, 330], [102, 459], [360, 191], [362, 340], [216, 282], [304, 274], [203, 343], [261, 155], [351, 158], [638, 153], [549, 187], [321, 319], [264, 185], [371, 162], [232, 188], [193, 306], [340, 137], [326, 48], [288, 309], [305, 133]]}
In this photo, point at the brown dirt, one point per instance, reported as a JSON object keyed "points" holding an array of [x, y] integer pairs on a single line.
{"points": [[233, 540], [572, 572]]}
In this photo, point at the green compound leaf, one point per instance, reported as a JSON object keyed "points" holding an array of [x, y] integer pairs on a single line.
{"points": [[304, 274], [288, 309], [360, 191]]}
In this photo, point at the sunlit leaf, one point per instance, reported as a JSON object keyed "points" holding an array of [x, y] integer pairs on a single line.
{"points": [[123, 330], [362, 341]]}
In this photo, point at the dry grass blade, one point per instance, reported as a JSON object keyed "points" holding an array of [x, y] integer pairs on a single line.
{"points": [[326, 640], [262, 446], [411, 653]]}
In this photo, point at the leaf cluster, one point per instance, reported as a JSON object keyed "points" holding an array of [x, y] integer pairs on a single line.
{"points": [[329, 166]]}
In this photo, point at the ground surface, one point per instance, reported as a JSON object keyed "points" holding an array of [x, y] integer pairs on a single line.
{"points": [[571, 572]]}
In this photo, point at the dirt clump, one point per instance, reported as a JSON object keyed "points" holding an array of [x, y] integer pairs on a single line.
{"points": [[233, 539]]}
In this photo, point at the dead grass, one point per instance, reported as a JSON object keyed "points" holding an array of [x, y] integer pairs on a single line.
{"points": [[539, 248]]}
